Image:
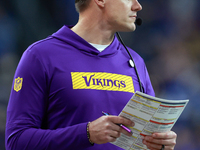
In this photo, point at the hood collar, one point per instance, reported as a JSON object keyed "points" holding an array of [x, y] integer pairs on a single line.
{"points": [[67, 35]]}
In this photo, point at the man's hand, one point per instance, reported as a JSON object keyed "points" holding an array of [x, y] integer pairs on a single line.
{"points": [[104, 129], [156, 140]]}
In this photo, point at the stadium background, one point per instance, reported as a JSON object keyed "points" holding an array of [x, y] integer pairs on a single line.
{"points": [[168, 40]]}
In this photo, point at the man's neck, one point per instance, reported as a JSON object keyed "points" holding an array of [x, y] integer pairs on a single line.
{"points": [[93, 31]]}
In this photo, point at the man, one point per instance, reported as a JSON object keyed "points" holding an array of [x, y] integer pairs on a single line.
{"points": [[63, 83]]}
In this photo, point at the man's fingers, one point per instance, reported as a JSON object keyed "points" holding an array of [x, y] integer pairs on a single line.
{"points": [[120, 124], [105, 129], [156, 140], [165, 135], [121, 120], [152, 146], [115, 127]]}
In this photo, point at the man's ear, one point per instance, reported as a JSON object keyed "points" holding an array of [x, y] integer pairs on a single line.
{"points": [[100, 3]]}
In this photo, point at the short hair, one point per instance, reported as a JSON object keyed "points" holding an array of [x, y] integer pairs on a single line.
{"points": [[81, 5]]}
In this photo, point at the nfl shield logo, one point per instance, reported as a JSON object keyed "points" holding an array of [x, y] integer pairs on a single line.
{"points": [[18, 84]]}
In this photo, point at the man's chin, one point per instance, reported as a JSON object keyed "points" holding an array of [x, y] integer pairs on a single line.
{"points": [[130, 29]]}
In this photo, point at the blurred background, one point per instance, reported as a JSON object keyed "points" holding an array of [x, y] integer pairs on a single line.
{"points": [[168, 40]]}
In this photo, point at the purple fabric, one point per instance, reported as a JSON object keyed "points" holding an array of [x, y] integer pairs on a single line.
{"points": [[47, 112]]}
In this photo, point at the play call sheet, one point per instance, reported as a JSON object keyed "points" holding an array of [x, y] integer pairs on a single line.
{"points": [[150, 114]]}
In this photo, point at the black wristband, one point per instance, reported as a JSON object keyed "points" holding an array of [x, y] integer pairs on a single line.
{"points": [[88, 134]]}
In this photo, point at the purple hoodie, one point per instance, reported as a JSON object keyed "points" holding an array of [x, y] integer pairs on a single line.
{"points": [[61, 83]]}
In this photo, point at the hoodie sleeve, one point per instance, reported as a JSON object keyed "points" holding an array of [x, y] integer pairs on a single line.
{"points": [[27, 108], [143, 73], [149, 88]]}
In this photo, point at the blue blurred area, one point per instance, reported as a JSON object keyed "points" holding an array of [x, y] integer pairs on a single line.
{"points": [[168, 40]]}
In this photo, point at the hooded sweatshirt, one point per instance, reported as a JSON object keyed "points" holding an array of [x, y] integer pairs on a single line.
{"points": [[63, 82]]}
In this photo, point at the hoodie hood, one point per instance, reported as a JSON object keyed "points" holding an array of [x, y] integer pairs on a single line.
{"points": [[65, 34]]}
